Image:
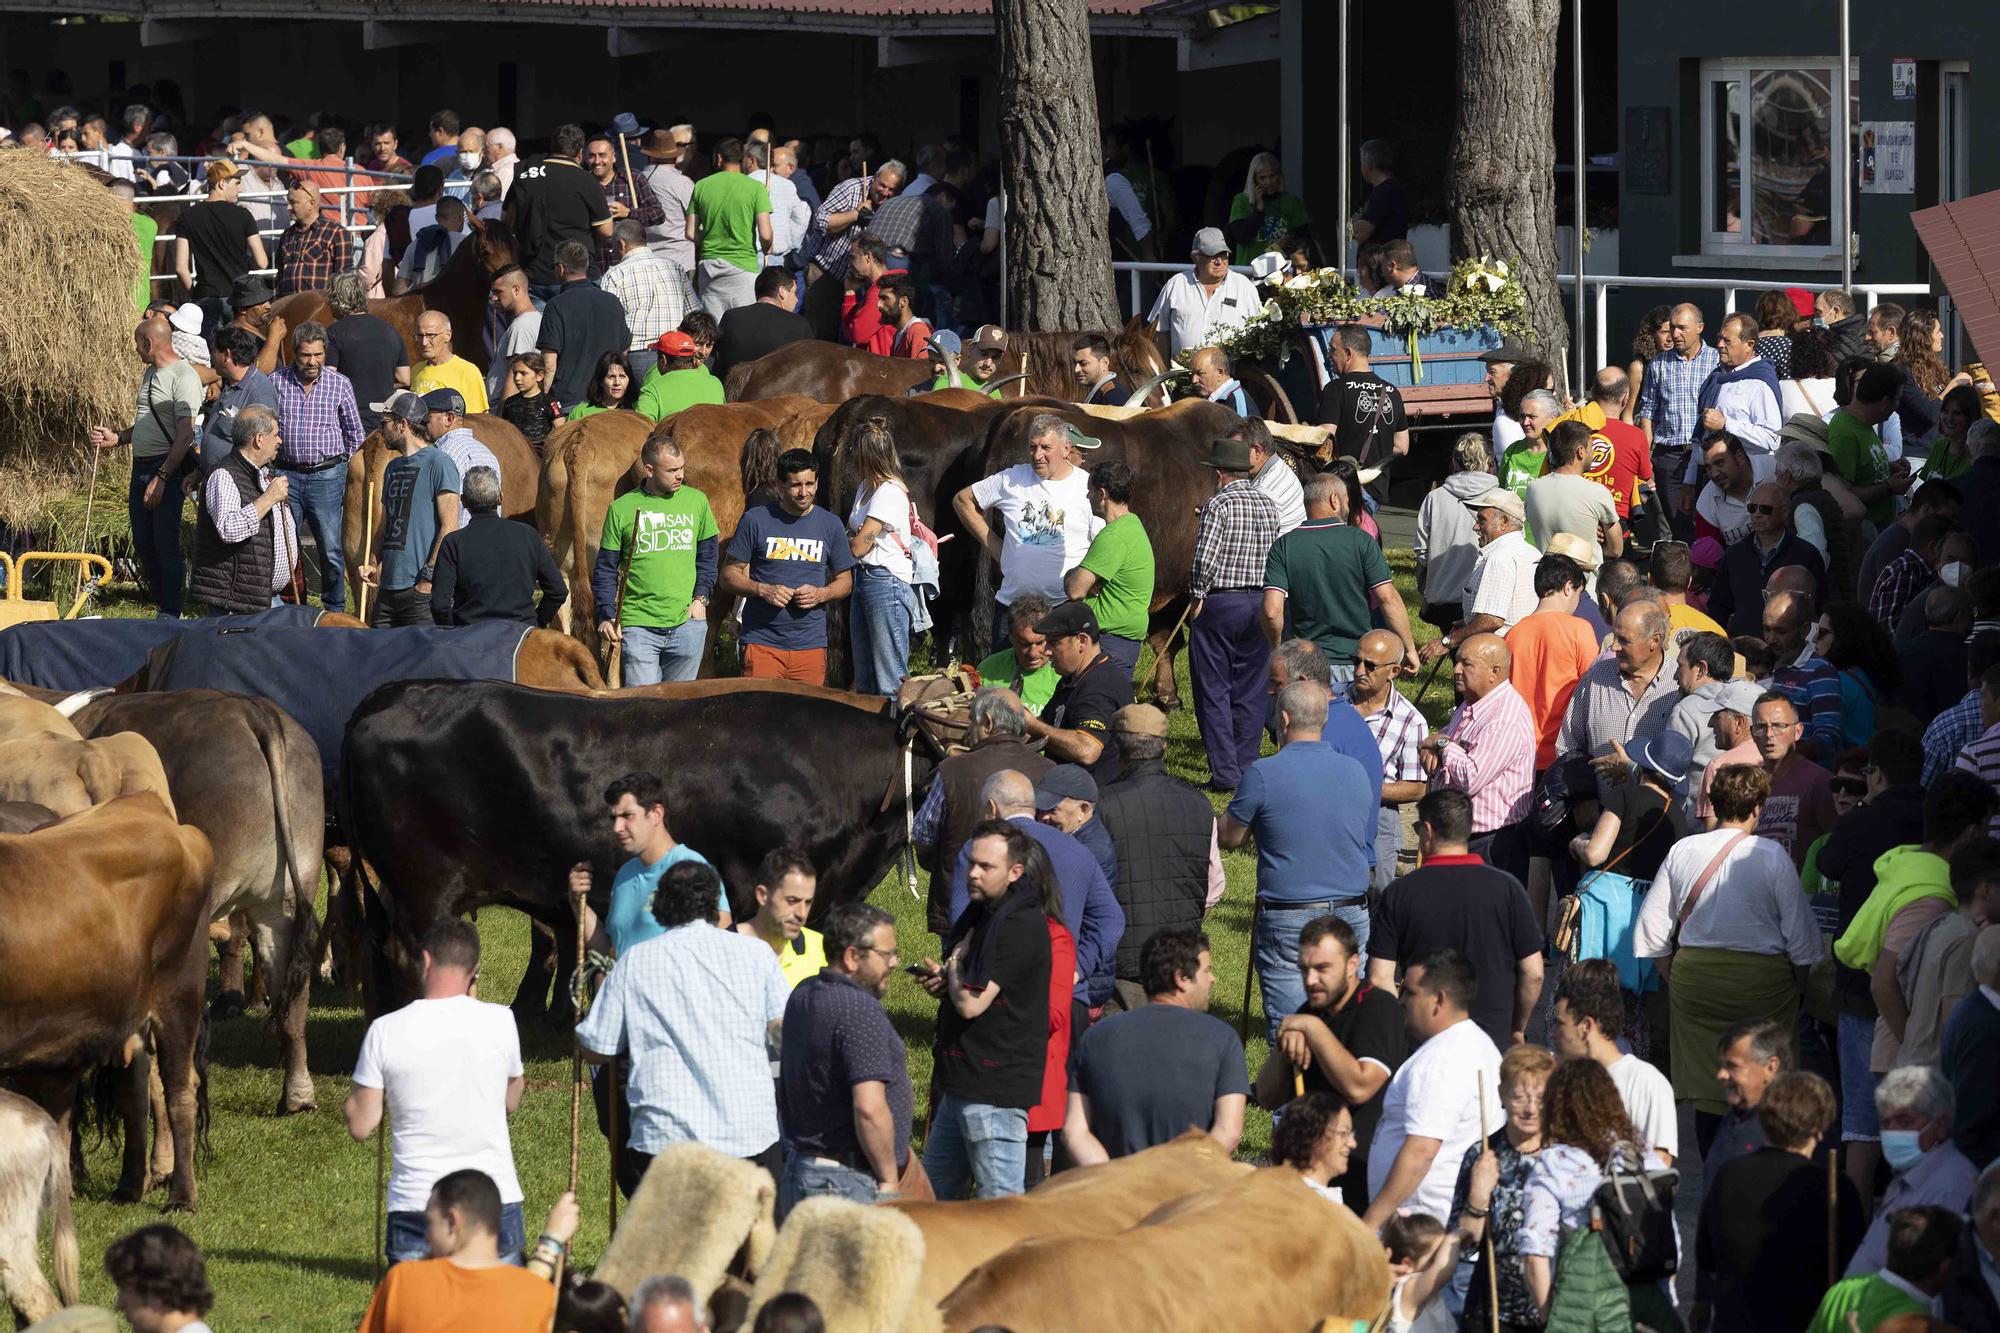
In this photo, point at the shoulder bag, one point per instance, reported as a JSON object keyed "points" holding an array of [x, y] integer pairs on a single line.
{"points": [[1632, 1209], [1570, 917], [1701, 883]]}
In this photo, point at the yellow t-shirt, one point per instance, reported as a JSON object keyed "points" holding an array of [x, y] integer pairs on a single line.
{"points": [[437, 1296], [457, 373], [803, 957], [1684, 620]]}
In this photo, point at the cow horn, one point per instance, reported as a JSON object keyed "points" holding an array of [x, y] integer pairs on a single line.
{"points": [[991, 385], [1139, 394]]}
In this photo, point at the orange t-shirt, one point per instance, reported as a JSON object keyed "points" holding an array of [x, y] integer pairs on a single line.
{"points": [[438, 1296], [1551, 651]]}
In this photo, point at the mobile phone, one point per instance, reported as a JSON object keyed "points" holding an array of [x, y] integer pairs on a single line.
{"points": [[919, 971]]}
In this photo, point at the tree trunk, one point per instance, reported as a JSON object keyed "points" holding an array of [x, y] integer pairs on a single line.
{"points": [[1502, 187], [1057, 233]]}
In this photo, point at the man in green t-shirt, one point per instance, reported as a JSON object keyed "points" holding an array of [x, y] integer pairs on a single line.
{"points": [[677, 380], [1025, 667], [1922, 1242], [669, 574], [1115, 579], [1330, 577], [729, 221], [1857, 450], [144, 231]]}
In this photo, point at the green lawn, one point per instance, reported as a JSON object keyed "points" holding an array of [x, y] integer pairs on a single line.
{"points": [[285, 1217]]}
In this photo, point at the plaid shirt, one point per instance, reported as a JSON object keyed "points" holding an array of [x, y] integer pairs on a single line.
{"points": [[655, 292], [1398, 729], [1671, 396], [320, 425], [1602, 709], [309, 254], [914, 226], [1949, 732], [1489, 754], [694, 1008], [831, 252], [1234, 540], [1900, 581], [649, 212]]}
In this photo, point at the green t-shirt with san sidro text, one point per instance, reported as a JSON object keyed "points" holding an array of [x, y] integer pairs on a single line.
{"points": [[667, 528], [1121, 556], [728, 202]]}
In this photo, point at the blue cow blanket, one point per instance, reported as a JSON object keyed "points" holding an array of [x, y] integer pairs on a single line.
{"points": [[88, 654]]}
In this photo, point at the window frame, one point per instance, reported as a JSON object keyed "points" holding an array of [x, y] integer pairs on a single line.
{"points": [[1715, 73]]}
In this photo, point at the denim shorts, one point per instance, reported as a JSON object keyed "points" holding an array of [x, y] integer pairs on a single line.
{"points": [[406, 1236], [1859, 1120]]}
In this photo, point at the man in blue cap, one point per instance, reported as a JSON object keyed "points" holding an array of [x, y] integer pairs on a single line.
{"points": [[419, 505], [444, 423]]}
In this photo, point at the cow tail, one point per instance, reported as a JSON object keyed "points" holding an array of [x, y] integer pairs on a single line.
{"points": [[201, 1107], [579, 546], [66, 1259], [304, 947]]}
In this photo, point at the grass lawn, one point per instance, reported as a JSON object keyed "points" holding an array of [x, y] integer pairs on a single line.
{"points": [[285, 1217]]}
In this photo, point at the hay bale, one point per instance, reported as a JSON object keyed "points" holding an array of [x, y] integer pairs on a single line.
{"points": [[66, 359]]}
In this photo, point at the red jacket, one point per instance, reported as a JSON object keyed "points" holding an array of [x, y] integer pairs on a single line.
{"points": [[861, 321], [1049, 1113]]}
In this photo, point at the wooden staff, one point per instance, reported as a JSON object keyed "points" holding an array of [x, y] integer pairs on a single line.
{"points": [[575, 1091], [614, 664], [1021, 385], [1249, 968], [617, 1149], [1832, 1218], [89, 507], [367, 549], [1492, 1269], [381, 1169], [631, 186]]}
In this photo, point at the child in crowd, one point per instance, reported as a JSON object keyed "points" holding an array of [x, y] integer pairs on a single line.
{"points": [[1422, 1259], [528, 410]]}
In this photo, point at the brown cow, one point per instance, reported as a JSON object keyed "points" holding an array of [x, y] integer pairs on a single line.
{"points": [[244, 773], [70, 776], [520, 472], [119, 954], [34, 1178], [1263, 1254], [23, 718], [1092, 1201]]}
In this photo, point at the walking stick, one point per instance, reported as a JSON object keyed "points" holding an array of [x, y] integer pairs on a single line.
{"points": [[1021, 385], [617, 1147], [575, 1084], [614, 662], [367, 549], [1492, 1269], [632, 186], [89, 505], [381, 1169], [1249, 968], [1832, 1218]]}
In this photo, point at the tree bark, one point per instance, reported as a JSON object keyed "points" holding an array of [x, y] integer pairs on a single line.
{"points": [[1502, 186], [1051, 162]]}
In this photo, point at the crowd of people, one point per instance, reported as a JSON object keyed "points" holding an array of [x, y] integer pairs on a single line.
{"points": [[1710, 828]]}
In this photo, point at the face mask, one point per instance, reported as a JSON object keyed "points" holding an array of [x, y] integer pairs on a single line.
{"points": [[1953, 573], [470, 161], [1901, 1148], [1819, 321]]}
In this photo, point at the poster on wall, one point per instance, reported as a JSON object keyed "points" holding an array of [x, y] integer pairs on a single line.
{"points": [[1888, 157], [1903, 78]]}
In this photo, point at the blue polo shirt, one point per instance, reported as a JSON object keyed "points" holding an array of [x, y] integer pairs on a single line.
{"points": [[1312, 810], [630, 920], [1347, 734]]}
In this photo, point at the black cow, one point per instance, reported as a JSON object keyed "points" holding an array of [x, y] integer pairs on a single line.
{"points": [[463, 794]]}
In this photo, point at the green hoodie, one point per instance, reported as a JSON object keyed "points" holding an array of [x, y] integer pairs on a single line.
{"points": [[1903, 876]]}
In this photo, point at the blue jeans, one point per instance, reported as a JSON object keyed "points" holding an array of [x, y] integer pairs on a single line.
{"points": [[405, 1237], [878, 628], [1388, 844], [1860, 1121], [652, 655], [805, 1178], [1276, 950], [1123, 651], [156, 535], [316, 501], [986, 1146]]}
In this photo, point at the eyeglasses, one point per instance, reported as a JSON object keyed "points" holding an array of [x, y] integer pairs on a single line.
{"points": [[890, 954], [1761, 509], [1766, 728]]}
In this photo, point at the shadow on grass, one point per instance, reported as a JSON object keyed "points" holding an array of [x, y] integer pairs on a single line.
{"points": [[348, 1269]]}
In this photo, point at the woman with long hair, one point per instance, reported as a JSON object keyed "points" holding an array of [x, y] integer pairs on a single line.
{"points": [[613, 387], [880, 617], [1864, 655], [758, 467], [1265, 217], [1492, 1186], [1949, 454], [1585, 1132], [1926, 377], [1655, 336]]}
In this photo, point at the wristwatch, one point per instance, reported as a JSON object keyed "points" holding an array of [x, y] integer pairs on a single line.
{"points": [[425, 573]]}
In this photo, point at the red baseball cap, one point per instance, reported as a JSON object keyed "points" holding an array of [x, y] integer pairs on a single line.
{"points": [[674, 343]]}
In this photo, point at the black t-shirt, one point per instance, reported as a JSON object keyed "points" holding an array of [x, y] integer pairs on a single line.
{"points": [[1087, 704], [1388, 207], [997, 1058], [369, 351], [1365, 412], [1370, 1026], [552, 201], [1154, 1072], [1461, 903], [1639, 807], [755, 330], [580, 324], [217, 235]]}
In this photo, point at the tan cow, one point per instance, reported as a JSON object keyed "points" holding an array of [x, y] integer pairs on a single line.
{"points": [[22, 718], [1264, 1254], [1093, 1201], [34, 1178], [70, 776]]}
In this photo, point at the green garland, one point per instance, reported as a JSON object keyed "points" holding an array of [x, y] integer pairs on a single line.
{"points": [[1477, 292]]}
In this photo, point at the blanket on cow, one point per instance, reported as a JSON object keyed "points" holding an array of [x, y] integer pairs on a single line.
{"points": [[319, 676], [87, 654]]}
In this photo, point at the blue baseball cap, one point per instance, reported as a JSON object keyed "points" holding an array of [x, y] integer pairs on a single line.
{"points": [[946, 343], [445, 400]]}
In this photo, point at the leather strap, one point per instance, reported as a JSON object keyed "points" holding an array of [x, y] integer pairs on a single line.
{"points": [[1701, 882]]}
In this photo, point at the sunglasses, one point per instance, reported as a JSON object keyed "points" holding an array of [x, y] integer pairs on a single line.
{"points": [[1848, 787], [1365, 665], [1761, 509]]}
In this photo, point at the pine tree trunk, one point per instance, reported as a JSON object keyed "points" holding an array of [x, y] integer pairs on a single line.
{"points": [[1502, 188], [1057, 237]]}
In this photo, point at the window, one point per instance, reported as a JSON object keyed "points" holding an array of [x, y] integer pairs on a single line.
{"points": [[1767, 131]]}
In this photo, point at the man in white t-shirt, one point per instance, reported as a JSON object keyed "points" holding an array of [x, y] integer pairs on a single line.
{"points": [[1589, 1015], [1196, 308], [510, 297], [449, 1069], [1046, 519], [1431, 1110], [1722, 510]]}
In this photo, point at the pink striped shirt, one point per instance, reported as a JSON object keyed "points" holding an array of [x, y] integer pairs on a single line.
{"points": [[1489, 754]]}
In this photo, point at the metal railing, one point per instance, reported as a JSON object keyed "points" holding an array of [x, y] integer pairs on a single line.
{"points": [[1603, 284]]}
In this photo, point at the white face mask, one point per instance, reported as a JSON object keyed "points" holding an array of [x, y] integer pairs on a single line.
{"points": [[1953, 573], [469, 161]]}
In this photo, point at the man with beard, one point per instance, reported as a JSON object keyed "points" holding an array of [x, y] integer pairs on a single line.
{"points": [[1346, 1039]]}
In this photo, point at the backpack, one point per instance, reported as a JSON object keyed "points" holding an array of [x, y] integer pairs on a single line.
{"points": [[1632, 1209]]}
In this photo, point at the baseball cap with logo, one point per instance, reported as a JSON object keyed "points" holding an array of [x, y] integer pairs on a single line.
{"points": [[1209, 242], [402, 404], [674, 343], [946, 343], [445, 400], [990, 338]]}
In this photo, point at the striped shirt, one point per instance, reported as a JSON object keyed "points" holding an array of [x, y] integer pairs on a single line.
{"points": [[1603, 709], [1489, 754], [320, 423], [1398, 729], [694, 1007], [1949, 732], [655, 292], [831, 252], [1982, 757], [1670, 398], [1813, 686], [1234, 540], [1503, 582]]}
